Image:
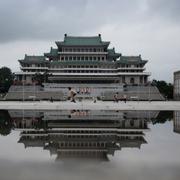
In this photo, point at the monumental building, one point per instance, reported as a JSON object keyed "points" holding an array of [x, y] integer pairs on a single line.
{"points": [[88, 65], [84, 60]]}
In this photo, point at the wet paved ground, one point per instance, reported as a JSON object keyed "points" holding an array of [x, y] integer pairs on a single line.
{"points": [[87, 104]]}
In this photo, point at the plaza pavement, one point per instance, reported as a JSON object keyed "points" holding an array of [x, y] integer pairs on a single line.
{"points": [[87, 104]]}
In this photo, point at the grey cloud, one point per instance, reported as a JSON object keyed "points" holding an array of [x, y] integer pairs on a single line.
{"points": [[147, 27], [43, 19], [37, 19], [168, 10]]}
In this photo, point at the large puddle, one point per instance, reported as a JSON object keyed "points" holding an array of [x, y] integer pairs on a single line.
{"points": [[89, 144]]}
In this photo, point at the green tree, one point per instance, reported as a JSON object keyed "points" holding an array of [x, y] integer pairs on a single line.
{"points": [[5, 123], [166, 89], [41, 78], [6, 79], [163, 116]]}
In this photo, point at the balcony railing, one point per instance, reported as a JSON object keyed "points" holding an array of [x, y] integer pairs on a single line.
{"points": [[87, 52], [131, 68], [34, 68]]}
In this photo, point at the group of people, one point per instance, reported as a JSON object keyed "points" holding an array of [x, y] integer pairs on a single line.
{"points": [[117, 99], [72, 95]]}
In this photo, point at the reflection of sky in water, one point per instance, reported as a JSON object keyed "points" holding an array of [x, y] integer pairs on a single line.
{"points": [[159, 159]]}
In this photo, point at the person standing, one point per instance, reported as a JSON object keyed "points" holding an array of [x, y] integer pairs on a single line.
{"points": [[116, 99], [72, 94], [125, 98]]}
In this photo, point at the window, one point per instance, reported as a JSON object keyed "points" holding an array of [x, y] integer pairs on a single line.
{"points": [[132, 80]]}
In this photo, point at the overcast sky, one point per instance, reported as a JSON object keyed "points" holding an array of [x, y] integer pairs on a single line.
{"points": [[147, 27]]}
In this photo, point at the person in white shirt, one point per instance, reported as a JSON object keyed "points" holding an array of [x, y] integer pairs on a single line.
{"points": [[72, 94]]}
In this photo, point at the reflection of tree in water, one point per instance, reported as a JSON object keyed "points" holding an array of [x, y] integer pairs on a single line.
{"points": [[164, 116], [5, 123]]}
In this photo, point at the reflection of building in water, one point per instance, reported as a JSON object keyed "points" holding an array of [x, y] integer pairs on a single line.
{"points": [[83, 134], [98, 115], [81, 142], [177, 121], [26, 118]]}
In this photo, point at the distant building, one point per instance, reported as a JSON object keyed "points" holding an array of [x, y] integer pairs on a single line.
{"points": [[177, 85]]}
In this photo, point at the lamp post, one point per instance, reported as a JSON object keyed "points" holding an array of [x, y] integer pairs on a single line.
{"points": [[149, 92], [23, 86]]}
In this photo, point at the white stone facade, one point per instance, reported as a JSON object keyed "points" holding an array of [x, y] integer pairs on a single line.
{"points": [[177, 85]]}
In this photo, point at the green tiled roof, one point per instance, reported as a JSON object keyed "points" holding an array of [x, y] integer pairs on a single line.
{"points": [[112, 53], [33, 59], [82, 41], [53, 53], [131, 60]]}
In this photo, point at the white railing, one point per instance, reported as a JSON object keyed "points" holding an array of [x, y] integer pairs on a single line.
{"points": [[131, 68], [103, 74], [97, 53], [34, 68]]}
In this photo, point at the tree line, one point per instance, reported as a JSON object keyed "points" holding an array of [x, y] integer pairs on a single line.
{"points": [[166, 89]]}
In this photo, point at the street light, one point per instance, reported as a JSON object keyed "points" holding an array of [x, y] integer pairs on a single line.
{"points": [[23, 87], [149, 91]]}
